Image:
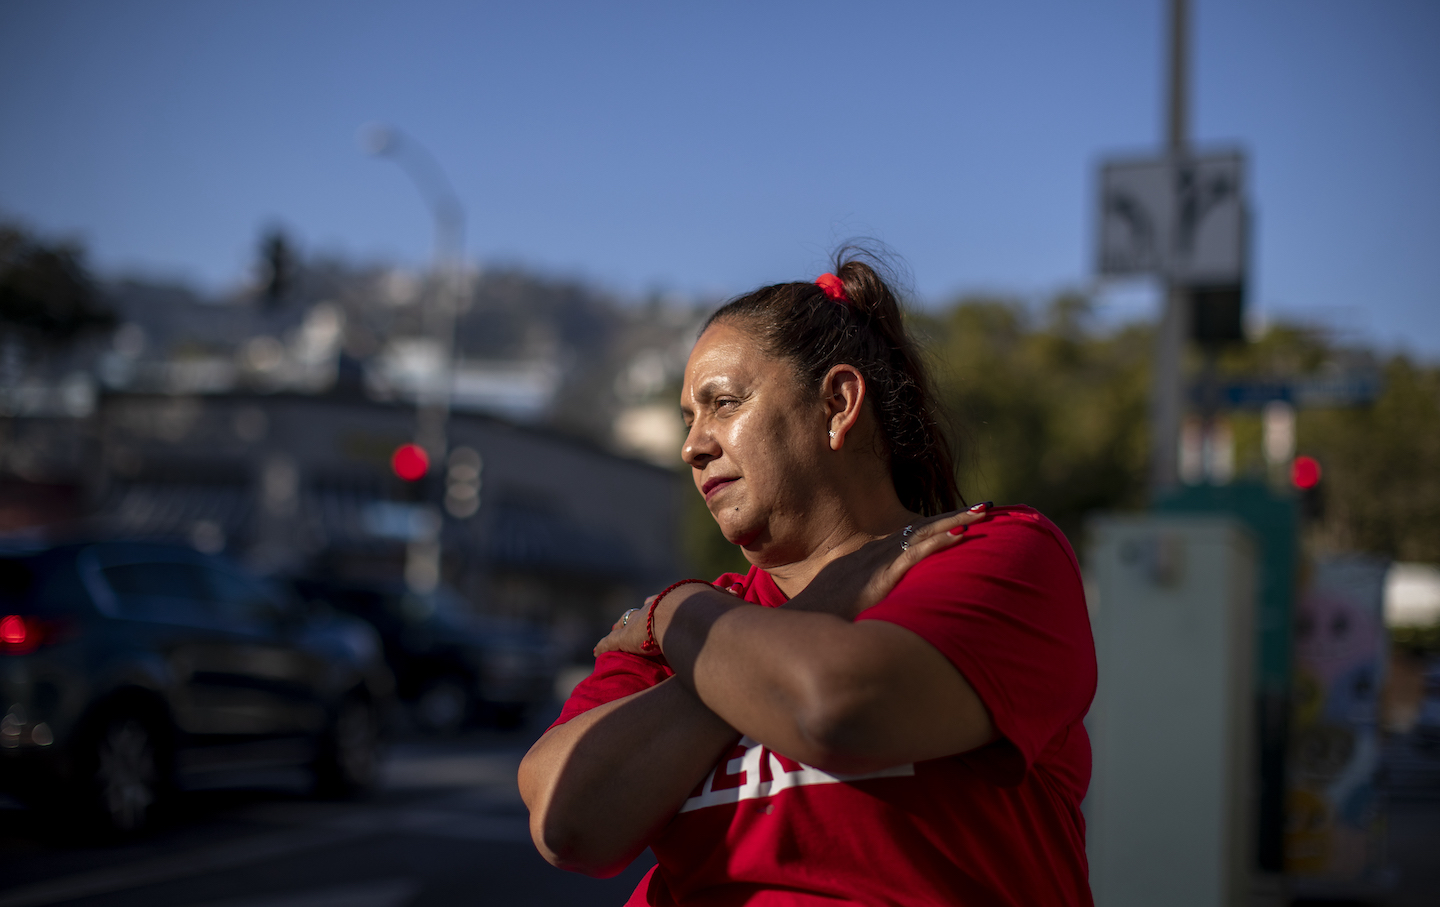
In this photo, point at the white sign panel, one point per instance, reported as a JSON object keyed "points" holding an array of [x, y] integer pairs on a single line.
{"points": [[1184, 219]]}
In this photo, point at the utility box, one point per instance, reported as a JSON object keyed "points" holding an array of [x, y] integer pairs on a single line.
{"points": [[1273, 520], [1170, 812]]}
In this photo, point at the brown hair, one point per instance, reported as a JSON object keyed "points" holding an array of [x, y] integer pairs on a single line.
{"points": [[800, 323]]}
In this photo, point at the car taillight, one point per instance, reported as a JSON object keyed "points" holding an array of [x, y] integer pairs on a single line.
{"points": [[20, 634]]}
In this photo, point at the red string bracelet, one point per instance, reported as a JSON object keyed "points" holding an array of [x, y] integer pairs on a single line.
{"points": [[651, 644]]}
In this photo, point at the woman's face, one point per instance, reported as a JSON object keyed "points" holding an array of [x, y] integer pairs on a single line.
{"points": [[756, 439]]}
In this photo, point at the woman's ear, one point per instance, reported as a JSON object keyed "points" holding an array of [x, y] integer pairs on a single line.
{"points": [[844, 390]]}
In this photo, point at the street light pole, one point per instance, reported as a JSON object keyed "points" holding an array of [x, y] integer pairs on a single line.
{"points": [[1168, 391], [432, 411]]}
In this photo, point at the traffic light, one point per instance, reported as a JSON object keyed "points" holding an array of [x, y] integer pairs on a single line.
{"points": [[410, 462], [1305, 475], [462, 483], [278, 263]]}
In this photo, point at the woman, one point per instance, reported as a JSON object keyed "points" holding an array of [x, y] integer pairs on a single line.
{"points": [[887, 708]]}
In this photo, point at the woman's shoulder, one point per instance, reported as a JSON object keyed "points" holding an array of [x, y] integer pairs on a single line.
{"points": [[1014, 540]]}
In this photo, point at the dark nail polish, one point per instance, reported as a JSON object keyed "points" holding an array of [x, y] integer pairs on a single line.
{"points": [[957, 530], [982, 506]]}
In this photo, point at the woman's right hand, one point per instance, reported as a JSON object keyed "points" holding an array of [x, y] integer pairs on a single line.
{"points": [[848, 585]]}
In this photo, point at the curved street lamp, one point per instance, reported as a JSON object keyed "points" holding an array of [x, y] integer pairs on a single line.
{"points": [[432, 411]]}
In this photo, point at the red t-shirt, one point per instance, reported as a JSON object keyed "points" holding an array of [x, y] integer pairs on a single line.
{"points": [[998, 825]]}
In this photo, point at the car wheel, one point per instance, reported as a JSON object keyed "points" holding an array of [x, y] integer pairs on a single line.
{"points": [[443, 705], [349, 758], [128, 765]]}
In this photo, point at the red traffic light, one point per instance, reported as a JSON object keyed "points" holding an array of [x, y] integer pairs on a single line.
{"points": [[410, 462], [1305, 473]]}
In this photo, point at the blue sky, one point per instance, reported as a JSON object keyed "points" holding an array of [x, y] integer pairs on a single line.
{"points": [[705, 149]]}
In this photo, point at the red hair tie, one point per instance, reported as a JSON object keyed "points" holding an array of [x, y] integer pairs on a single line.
{"points": [[833, 286]]}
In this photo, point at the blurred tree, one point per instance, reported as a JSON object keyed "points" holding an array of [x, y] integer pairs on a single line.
{"points": [[1045, 411], [1381, 467], [1381, 462], [45, 290]]}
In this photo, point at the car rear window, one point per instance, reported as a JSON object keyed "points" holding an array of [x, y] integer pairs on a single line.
{"points": [[156, 579], [187, 592], [17, 583], [159, 591], [43, 583]]}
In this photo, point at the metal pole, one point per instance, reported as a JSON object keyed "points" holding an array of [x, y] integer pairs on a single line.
{"points": [[432, 410], [1177, 132], [1167, 394], [1167, 403]]}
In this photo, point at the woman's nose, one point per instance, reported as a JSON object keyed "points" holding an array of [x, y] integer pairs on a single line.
{"points": [[699, 448]]}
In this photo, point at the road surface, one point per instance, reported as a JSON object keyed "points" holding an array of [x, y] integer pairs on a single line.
{"points": [[447, 828]]}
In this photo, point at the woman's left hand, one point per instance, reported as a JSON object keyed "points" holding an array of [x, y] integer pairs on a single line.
{"points": [[850, 584]]}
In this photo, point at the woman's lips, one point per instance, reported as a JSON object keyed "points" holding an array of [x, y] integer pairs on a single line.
{"points": [[715, 484]]}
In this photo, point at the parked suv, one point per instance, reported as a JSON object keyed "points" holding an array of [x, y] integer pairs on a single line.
{"points": [[129, 669], [451, 665]]}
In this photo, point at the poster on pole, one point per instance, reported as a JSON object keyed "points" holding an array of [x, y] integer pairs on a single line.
{"points": [[1179, 218], [1335, 820]]}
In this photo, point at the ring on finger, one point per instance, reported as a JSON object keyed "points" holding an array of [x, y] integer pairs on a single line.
{"points": [[625, 618]]}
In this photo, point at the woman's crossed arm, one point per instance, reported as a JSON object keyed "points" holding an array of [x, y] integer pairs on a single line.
{"points": [[600, 786], [804, 680]]}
